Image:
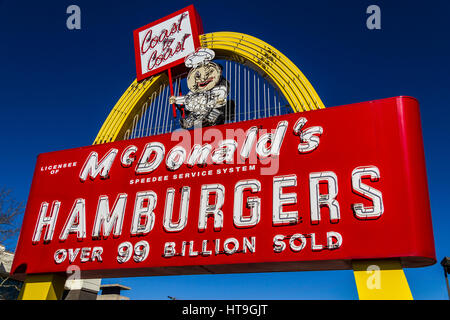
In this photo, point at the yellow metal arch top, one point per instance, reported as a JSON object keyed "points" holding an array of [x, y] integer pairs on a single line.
{"points": [[249, 50], [239, 47], [123, 112]]}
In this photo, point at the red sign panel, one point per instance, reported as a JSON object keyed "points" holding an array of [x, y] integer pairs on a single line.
{"points": [[304, 191], [166, 42]]}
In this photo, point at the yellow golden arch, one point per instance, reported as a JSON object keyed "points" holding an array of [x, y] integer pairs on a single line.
{"points": [[380, 279], [238, 47]]}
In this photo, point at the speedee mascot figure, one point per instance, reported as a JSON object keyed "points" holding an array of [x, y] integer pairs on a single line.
{"points": [[208, 91]]}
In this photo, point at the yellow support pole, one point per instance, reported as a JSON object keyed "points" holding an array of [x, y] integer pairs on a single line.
{"points": [[43, 287], [381, 280]]}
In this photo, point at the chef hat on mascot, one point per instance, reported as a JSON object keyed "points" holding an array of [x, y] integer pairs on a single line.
{"points": [[199, 57]]}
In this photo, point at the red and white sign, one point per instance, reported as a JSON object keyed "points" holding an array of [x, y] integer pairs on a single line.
{"points": [[304, 191], [165, 43]]}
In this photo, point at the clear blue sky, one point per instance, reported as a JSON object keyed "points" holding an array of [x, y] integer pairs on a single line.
{"points": [[57, 86]]}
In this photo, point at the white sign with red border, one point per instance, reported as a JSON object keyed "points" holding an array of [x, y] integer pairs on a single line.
{"points": [[165, 43]]}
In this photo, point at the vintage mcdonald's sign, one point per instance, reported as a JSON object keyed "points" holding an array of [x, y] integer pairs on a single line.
{"points": [[309, 191]]}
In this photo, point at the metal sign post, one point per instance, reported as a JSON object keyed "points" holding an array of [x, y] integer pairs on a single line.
{"points": [[43, 287], [381, 280]]}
